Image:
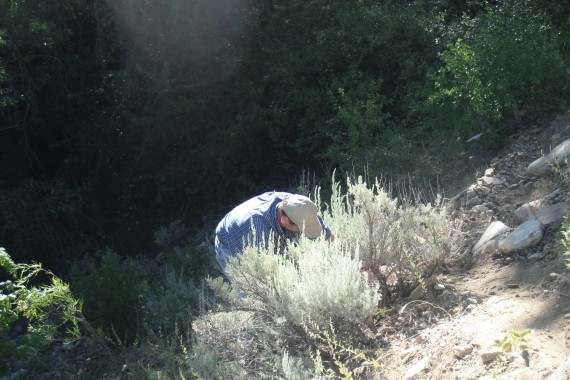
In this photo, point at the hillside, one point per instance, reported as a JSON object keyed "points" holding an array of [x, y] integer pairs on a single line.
{"points": [[488, 295], [449, 330]]}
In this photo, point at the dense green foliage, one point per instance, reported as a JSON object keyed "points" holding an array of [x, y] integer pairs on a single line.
{"points": [[124, 296], [49, 309]]}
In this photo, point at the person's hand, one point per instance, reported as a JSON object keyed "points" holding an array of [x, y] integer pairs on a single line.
{"points": [[331, 237]]}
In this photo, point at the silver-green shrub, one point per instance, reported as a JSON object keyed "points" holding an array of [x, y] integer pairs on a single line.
{"points": [[278, 295], [316, 280], [318, 296], [401, 241]]}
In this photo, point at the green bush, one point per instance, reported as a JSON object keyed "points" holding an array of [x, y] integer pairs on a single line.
{"points": [[113, 291], [494, 69], [279, 305], [48, 307], [138, 298], [172, 300]]}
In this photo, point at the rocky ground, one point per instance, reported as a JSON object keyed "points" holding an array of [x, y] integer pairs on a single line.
{"points": [[489, 295]]}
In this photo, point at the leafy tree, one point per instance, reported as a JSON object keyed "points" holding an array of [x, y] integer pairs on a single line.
{"points": [[494, 68]]}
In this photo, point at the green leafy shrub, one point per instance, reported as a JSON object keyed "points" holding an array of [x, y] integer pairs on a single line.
{"points": [[49, 308], [173, 297], [493, 68], [401, 241], [179, 251], [172, 300], [515, 340], [113, 291], [139, 298]]}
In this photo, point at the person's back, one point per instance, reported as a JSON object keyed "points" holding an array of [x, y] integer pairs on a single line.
{"points": [[253, 222]]}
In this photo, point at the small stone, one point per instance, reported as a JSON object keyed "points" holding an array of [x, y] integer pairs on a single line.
{"points": [[388, 330], [417, 293], [489, 356], [513, 286], [407, 354], [489, 172], [535, 256], [419, 367], [488, 181], [420, 339], [470, 308], [473, 201], [462, 350], [479, 209], [524, 236], [439, 287]]}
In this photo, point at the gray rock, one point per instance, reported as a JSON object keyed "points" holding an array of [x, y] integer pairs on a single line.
{"points": [[556, 157], [472, 301], [439, 287], [489, 356], [479, 209], [551, 213], [418, 368], [473, 201], [490, 181], [525, 212], [488, 242], [559, 154], [524, 236], [471, 193], [538, 167], [470, 308], [535, 256], [462, 350], [538, 210]]}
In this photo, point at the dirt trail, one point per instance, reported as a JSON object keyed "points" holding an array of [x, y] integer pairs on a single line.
{"points": [[491, 295]]}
